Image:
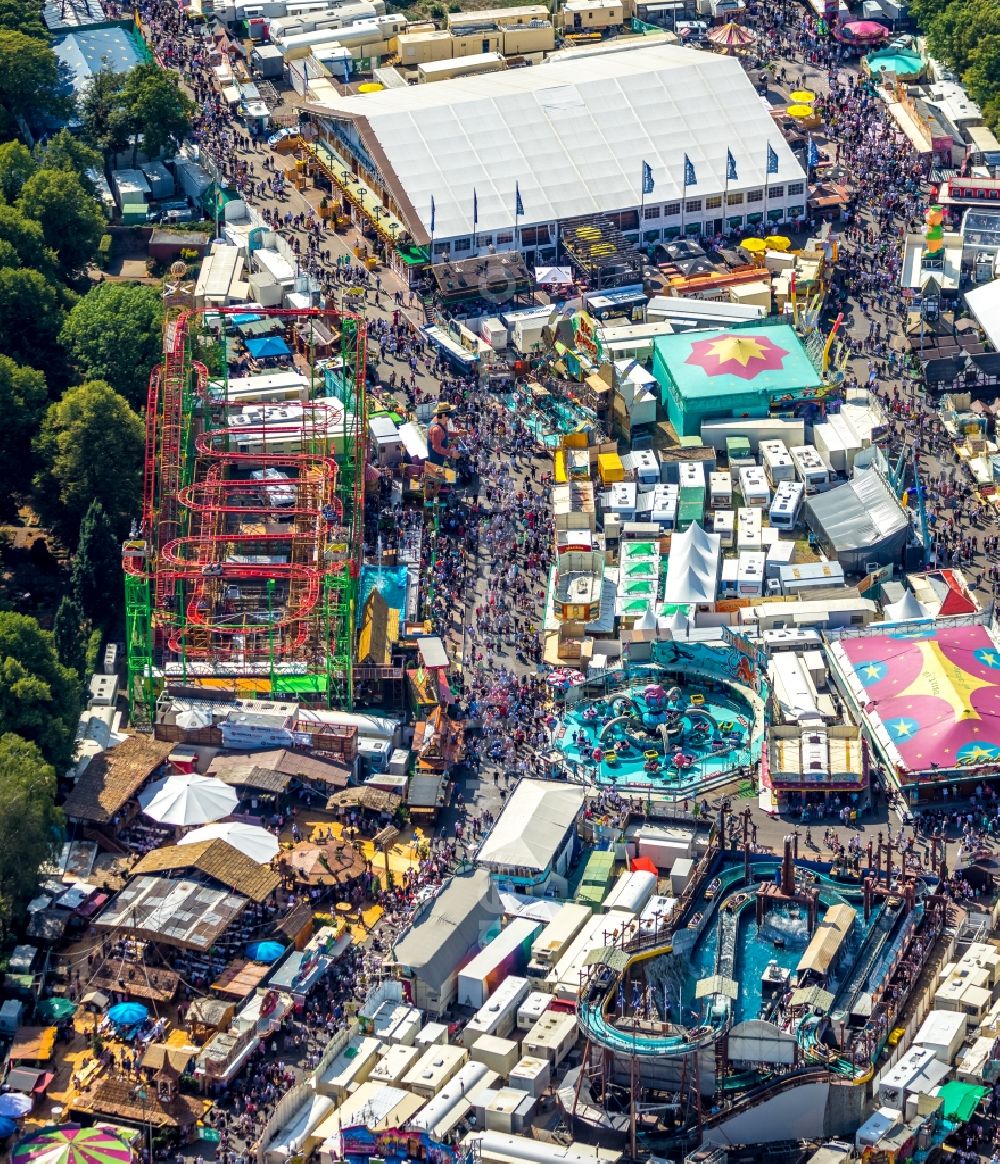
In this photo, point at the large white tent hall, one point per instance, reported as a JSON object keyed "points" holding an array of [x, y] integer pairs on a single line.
{"points": [[572, 136]]}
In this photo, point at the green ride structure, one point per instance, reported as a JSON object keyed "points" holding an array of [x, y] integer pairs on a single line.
{"points": [[243, 575]]}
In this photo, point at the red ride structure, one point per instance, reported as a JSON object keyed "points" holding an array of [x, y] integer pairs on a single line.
{"points": [[243, 574]]}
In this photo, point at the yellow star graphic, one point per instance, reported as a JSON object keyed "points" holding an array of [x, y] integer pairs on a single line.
{"points": [[872, 671], [988, 657], [741, 349], [903, 729]]}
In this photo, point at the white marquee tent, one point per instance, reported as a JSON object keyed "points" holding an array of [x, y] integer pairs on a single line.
{"points": [[693, 566], [573, 135]]}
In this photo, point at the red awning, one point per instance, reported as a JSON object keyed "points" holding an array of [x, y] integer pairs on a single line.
{"points": [[645, 865]]}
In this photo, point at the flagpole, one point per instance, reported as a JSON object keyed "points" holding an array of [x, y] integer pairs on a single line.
{"points": [[642, 199], [725, 199], [516, 215], [767, 177], [684, 195]]}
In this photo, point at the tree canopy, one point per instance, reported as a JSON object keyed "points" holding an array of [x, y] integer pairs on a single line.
{"points": [[96, 578], [114, 334], [67, 635], [102, 110], [39, 697], [90, 447], [23, 397], [158, 109], [31, 84], [30, 823], [64, 151], [30, 318], [72, 223], [16, 167], [965, 34]]}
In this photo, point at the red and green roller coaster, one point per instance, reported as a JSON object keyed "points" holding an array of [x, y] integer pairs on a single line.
{"points": [[242, 577]]}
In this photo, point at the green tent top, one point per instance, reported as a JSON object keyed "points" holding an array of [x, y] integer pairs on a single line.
{"points": [[960, 1100]]}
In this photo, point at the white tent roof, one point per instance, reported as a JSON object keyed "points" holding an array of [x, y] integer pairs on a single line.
{"points": [[984, 303], [532, 825], [572, 134], [693, 566], [906, 608]]}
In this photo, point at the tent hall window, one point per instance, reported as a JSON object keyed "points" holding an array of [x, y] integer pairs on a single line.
{"points": [[672, 209], [713, 202], [693, 205], [755, 196], [651, 212], [795, 188], [734, 200], [776, 192]]}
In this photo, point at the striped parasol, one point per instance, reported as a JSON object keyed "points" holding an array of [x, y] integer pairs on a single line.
{"points": [[732, 36], [72, 1145]]}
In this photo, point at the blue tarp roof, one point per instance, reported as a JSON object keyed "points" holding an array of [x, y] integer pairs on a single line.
{"points": [[268, 345], [88, 50], [245, 317]]}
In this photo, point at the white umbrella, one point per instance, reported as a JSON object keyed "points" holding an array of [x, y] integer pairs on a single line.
{"points": [[193, 719], [253, 841], [188, 800]]}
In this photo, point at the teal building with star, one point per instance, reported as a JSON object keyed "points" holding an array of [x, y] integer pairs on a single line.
{"points": [[750, 372]]}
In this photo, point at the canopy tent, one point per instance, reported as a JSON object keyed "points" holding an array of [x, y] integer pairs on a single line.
{"points": [[862, 32], [984, 304], [266, 951], [861, 521], [14, 1104], [693, 566], [128, 1014], [553, 276], [72, 1145], [55, 1009], [188, 800], [251, 840], [267, 347], [908, 607], [732, 36], [960, 1100]]}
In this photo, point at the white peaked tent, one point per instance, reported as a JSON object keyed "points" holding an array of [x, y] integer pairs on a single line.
{"points": [[908, 607], [677, 623], [646, 621], [693, 566]]}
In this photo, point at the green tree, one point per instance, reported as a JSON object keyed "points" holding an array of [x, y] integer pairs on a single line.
{"points": [[96, 579], [158, 110], [30, 319], [23, 397], [66, 152], [31, 83], [39, 697], [30, 823], [114, 334], [25, 236], [90, 447], [103, 113], [67, 635], [16, 167], [19, 16], [71, 221]]}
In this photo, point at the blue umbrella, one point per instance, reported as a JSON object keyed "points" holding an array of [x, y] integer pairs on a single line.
{"points": [[128, 1014], [265, 951], [7, 1127]]}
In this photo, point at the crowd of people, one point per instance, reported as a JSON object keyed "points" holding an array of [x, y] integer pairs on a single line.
{"points": [[486, 551]]}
